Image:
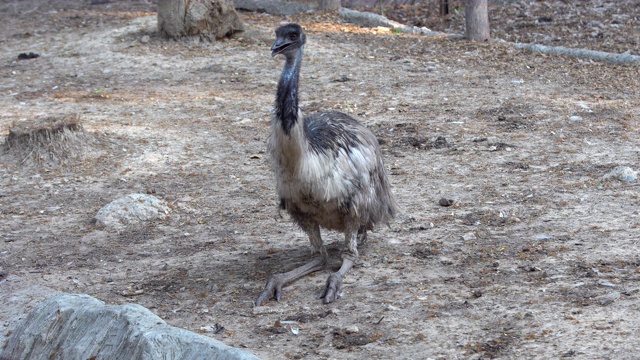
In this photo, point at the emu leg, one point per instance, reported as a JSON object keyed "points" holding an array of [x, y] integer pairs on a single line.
{"points": [[333, 287], [273, 289], [362, 236]]}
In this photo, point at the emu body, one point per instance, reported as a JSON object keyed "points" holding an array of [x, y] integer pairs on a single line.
{"points": [[329, 173]]}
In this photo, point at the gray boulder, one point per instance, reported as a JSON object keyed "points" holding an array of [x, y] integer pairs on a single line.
{"points": [[81, 327]]}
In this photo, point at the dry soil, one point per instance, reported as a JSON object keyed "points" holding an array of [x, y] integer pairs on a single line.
{"points": [[537, 257]]}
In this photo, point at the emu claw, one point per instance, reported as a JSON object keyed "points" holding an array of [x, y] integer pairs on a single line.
{"points": [[332, 289], [272, 290]]}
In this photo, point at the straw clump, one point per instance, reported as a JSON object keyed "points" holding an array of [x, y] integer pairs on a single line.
{"points": [[47, 141]]}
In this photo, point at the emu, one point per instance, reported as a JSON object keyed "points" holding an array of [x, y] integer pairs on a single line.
{"points": [[329, 173]]}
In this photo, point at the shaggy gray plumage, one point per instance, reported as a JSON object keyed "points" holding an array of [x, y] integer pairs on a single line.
{"points": [[329, 173]]}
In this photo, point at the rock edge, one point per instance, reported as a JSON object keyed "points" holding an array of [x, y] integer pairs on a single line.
{"points": [[67, 326]]}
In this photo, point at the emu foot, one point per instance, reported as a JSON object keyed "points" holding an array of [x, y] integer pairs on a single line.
{"points": [[273, 289], [332, 289]]}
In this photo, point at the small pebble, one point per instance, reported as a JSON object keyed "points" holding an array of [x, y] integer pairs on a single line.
{"points": [[446, 261], [469, 236], [392, 308], [352, 329], [145, 39], [335, 311], [575, 118], [445, 202], [207, 328], [27, 56], [606, 283], [607, 299]]}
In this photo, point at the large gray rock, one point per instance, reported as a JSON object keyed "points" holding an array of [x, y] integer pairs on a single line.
{"points": [[81, 327], [17, 297], [132, 209], [273, 7]]}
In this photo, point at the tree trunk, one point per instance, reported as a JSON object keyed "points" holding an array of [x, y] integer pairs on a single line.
{"points": [[476, 20], [208, 18], [444, 7], [329, 4]]}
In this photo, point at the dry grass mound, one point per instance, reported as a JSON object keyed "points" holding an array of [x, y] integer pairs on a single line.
{"points": [[49, 141]]}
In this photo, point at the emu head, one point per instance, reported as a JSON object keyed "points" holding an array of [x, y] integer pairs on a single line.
{"points": [[289, 38]]}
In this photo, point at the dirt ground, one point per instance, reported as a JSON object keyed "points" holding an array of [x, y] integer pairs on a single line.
{"points": [[538, 256]]}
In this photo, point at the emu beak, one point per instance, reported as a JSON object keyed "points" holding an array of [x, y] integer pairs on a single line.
{"points": [[279, 46]]}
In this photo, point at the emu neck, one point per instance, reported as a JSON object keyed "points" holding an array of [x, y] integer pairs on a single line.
{"points": [[287, 96]]}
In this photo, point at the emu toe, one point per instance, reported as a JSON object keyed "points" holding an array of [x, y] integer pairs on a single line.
{"points": [[273, 289], [332, 289]]}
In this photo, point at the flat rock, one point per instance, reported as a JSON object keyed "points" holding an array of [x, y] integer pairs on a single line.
{"points": [[66, 326], [132, 209], [622, 173]]}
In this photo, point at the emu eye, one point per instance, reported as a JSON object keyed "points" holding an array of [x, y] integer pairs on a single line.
{"points": [[294, 36]]}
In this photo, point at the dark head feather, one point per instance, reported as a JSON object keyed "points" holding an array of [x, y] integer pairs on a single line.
{"points": [[289, 38]]}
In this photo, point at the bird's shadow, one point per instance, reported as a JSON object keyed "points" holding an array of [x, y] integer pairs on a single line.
{"points": [[214, 274], [283, 260]]}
